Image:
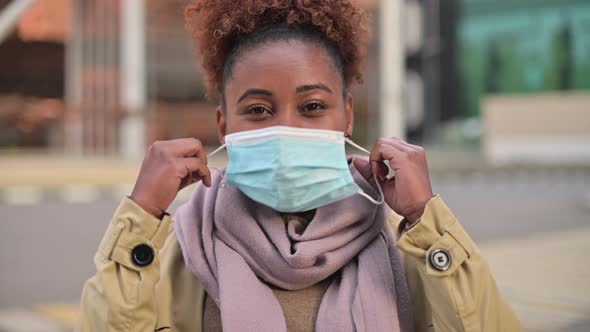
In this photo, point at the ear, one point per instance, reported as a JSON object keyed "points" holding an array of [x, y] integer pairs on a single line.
{"points": [[349, 109], [221, 125]]}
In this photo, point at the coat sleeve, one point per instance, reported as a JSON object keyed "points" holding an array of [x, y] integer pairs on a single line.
{"points": [[461, 297], [121, 295]]}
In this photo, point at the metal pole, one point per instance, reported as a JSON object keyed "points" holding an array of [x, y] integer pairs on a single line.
{"points": [[431, 68], [102, 87], [391, 115], [112, 48], [74, 58], [133, 79], [11, 14]]}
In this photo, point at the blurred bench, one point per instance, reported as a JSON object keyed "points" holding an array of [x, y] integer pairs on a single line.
{"points": [[537, 128]]}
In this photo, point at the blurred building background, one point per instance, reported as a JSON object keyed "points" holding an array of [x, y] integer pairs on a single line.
{"points": [[78, 75], [64, 74], [498, 91]]}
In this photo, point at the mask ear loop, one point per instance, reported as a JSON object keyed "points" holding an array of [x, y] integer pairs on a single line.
{"points": [[361, 192], [217, 150], [214, 152]]}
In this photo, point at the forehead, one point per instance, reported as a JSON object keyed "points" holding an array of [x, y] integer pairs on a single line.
{"points": [[283, 65]]}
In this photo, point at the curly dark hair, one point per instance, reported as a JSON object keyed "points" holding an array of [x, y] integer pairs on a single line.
{"points": [[223, 28]]}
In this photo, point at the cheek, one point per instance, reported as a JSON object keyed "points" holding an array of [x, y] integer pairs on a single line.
{"points": [[334, 120], [231, 123]]}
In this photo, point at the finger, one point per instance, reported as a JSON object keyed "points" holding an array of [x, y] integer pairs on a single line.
{"points": [[385, 150], [392, 156], [204, 173], [376, 159], [376, 152], [195, 165], [363, 166], [414, 147], [188, 147], [398, 143], [413, 152]]}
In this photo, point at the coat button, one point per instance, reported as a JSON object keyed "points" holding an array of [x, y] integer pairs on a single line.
{"points": [[142, 255], [440, 259]]}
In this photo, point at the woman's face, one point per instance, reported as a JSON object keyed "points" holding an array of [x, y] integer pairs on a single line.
{"points": [[285, 83]]}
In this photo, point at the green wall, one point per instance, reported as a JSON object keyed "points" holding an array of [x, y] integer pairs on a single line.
{"points": [[523, 46]]}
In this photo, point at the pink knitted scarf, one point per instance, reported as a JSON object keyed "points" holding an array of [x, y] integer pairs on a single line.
{"points": [[231, 242]]}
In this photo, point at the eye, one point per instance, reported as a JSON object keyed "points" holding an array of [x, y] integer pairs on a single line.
{"points": [[313, 107], [259, 110]]}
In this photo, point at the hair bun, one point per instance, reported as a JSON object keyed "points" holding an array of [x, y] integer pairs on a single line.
{"points": [[215, 26]]}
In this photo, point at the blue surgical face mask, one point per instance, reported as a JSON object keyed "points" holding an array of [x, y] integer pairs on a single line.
{"points": [[292, 169]]}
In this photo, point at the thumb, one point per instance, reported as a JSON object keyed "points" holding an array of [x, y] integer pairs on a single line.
{"points": [[363, 166]]}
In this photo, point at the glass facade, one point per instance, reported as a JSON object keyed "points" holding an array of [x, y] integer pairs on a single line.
{"points": [[526, 46]]}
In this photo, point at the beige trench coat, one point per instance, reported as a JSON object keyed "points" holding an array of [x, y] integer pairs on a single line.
{"points": [[125, 297]]}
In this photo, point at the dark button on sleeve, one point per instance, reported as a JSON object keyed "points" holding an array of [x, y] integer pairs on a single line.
{"points": [[142, 255], [440, 259]]}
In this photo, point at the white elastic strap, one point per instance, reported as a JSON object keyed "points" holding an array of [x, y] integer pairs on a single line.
{"points": [[361, 192], [216, 150], [374, 201], [349, 141]]}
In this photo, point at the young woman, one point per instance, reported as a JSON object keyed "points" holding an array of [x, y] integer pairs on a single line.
{"points": [[292, 235]]}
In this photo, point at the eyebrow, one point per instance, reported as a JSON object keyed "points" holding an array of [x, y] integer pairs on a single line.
{"points": [[299, 89], [309, 87], [250, 92]]}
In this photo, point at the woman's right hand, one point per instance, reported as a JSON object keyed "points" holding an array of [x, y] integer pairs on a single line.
{"points": [[168, 167]]}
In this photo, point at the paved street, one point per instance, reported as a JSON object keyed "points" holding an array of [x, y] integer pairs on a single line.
{"points": [[533, 227]]}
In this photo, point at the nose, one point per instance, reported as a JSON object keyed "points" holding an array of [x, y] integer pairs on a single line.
{"points": [[289, 116]]}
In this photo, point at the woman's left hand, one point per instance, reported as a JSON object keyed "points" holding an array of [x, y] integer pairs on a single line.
{"points": [[409, 190]]}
